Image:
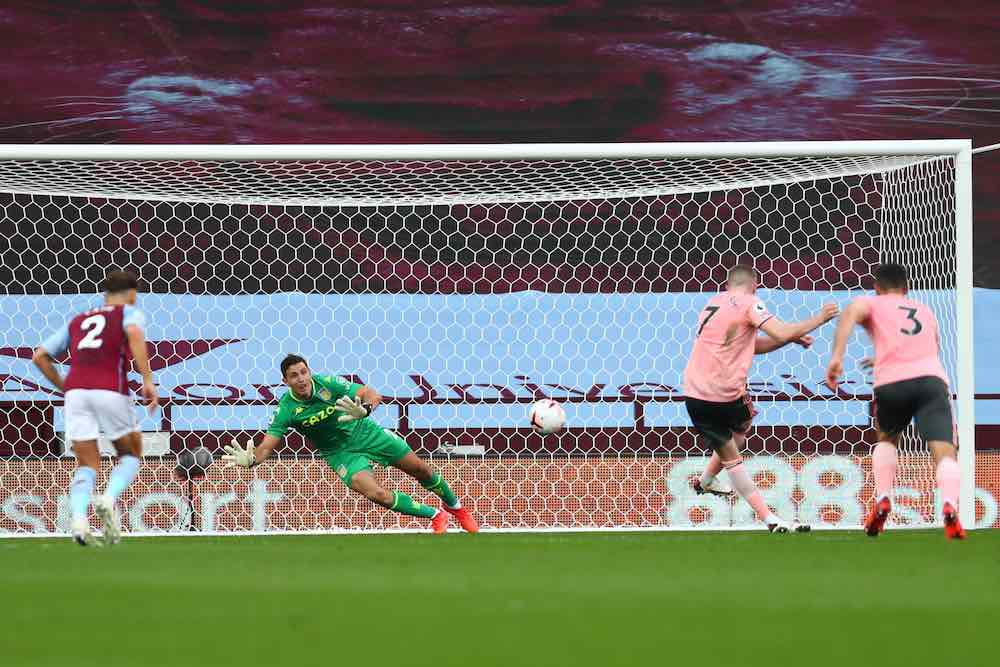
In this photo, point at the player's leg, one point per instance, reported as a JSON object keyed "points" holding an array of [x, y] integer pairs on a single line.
{"points": [[744, 485], [354, 469], [364, 482], [129, 450], [893, 412], [708, 482], [741, 416], [949, 481], [388, 448], [723, 425], [420, 470], [884, 466], [82, 430], [116, 415], [81, 487], [936, 426], [432, 480]]}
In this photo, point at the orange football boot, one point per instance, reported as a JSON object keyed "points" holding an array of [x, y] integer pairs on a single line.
{"points": [[465, 519], [439, 523], [952, 526], [875, 523]]}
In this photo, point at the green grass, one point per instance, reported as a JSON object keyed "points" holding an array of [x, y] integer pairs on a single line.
{"points": [[908, 598]]}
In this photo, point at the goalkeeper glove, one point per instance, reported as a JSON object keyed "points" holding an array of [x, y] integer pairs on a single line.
{"points": [[235, 456], [353, 409]]}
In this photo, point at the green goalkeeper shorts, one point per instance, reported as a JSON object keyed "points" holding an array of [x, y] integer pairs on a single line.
{"points": [[385, 449]]}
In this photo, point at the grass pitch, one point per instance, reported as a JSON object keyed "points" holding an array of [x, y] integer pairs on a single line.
{"points": [[830, 598]]}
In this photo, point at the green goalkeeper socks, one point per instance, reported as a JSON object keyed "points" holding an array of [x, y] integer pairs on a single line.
{"points": [[440, 488], [404, 504]]}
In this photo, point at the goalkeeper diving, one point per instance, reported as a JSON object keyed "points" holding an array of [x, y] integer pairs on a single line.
{"points": [[333, 415]]}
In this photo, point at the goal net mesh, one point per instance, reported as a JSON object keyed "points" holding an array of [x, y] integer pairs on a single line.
{"points": [[464, 291]]}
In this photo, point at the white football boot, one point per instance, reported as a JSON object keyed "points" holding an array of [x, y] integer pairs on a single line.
{"points": [[778, 525], [108, 514], [81, 532], [716, 487]]}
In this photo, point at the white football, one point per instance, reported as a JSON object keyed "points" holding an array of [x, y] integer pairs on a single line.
{"points": [[547, 416]]}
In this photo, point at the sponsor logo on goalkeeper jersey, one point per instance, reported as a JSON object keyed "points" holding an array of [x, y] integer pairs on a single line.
{"points": [[320, 416]]}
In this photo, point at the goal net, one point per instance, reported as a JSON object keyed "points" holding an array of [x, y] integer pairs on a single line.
{"points": [[464, 284]]}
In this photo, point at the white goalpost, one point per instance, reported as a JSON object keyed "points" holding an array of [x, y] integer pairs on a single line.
{"points": [[465, 282]]}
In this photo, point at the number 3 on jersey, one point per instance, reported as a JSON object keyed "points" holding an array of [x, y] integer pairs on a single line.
{"points": [[911, 314], [93, 325]]}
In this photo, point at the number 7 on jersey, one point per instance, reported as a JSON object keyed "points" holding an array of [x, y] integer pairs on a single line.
{"points": [[712, 310]]}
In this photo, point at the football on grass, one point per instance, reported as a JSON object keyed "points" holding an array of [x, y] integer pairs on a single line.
{"points": [[546, 417]]}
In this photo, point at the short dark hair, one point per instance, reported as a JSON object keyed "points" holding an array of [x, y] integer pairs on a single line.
{"points": [[119, 281], [891, 276], [289, 361]]}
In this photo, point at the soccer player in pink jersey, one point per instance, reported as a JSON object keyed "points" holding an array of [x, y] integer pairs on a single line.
{"points": [[910, 384], [715, 381], [97, 397]]}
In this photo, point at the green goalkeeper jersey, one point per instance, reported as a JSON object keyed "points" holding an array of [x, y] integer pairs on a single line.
{"points": [[316, 417]]}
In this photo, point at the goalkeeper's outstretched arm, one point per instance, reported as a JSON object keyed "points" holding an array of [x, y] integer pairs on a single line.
{"points": [[364, 402], [250, 456], [369, 396]]}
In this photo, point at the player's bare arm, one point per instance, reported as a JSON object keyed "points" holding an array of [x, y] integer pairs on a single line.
{"points": [[46, 364], [140, 358], [855, 313], [781, 333], [765, 344]]}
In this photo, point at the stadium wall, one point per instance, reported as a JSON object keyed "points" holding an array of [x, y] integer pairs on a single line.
{"points": [[504, 492]]}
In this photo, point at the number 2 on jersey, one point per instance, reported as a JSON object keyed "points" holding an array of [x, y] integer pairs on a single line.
{"points": [[911, 314], [712, 310], [93, 325]]}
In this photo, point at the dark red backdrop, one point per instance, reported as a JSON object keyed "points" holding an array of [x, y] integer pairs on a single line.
{"points": [[448, 70]]}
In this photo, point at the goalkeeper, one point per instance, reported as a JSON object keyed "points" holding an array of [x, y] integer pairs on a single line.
{"points": [[332, 414]]}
